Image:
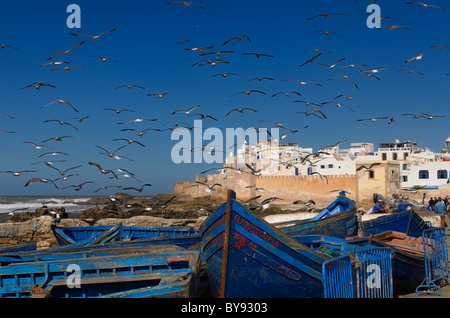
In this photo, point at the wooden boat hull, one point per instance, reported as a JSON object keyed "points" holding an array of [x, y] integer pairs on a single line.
{"points": [[407, 222], [85, 235], [164, 272], [341, 224], [26, 246], [248, 257]]}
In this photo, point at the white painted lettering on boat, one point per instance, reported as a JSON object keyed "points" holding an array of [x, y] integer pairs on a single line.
{"points": [[255, 230]]}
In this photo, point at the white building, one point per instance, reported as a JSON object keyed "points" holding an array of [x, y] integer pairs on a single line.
{"points": [[419, 167]]}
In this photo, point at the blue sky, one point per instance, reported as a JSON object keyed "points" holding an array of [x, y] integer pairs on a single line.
{"points": [[145, 46]]}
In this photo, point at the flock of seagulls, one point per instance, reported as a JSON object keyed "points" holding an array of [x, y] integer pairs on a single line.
{"points": [[214, 56]]}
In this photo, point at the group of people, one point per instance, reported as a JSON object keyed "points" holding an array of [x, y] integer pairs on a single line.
{"points": [[439, 205]]}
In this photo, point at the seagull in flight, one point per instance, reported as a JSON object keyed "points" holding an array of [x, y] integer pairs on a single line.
{"points": [[327, 32], [103, 171], [258, 55], [241, 110], [138, 189], [186, 3], [66, 52], [137, 120], [17, 173], [130, 86], [78, 187], [417, 57], [311, 59], [96, 37], [249, 92], [118, 111], [186, 111], [32, 180], [237, 39], [325, 15], [38, 85], [57, 138], [428, 116], [208, 188], [61, 123], [2, 47], [60, 102], [35, 145], [104, 59], [426, 6], [286, 94], [159, 95], [372, 119]]}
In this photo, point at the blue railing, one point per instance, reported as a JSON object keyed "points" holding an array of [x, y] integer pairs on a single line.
{"points": [[337, 278], [373, 275], [436, 261]]}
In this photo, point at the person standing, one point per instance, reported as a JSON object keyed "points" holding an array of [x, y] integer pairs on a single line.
{"points": [[441, 209]]}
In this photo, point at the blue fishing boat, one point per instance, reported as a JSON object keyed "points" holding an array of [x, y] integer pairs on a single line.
{"points": [[248, 257], [26, 246], [407, 222], [84, 235], [157, 272], [339, 219]]}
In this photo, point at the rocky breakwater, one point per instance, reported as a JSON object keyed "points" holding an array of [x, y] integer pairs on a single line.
{"points": [[162, 210]]}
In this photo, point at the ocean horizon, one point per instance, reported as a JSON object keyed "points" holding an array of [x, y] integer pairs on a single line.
{"points": [[72, 204]]}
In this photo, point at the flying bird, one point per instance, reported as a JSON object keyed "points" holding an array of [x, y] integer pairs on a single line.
{"points": [[96, 37], [17, 173], [186, 3], [32, 180], [78, 187], [60, 102], [311, 59], [130, 86], [104, 59], [186, 111], [426, 6], [37, 85], [62, 173], [369, 167], [237, 39], [209, 188], [286, 94], [159, 95], [327, 32], [249, 92], [372, 119], [138, 189], [417, 57], [332, 66], [66, 52], [103, 171], [325, 15], [137, 120], [258, 55], [240, 110], [61, 123]]}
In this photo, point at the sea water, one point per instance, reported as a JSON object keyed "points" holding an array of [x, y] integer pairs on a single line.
{"points": [[18, 204]]}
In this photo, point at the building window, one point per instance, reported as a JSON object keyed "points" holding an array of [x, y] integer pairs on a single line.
{"points": [[383, 156], [405, 166], [394, 156], [442, 174], [330, 166], [405, 156], [371, 174], [322, 166], [424, 174], [405, 178]]}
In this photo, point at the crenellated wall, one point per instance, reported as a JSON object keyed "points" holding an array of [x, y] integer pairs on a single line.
{"points": [[287, 188]]}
